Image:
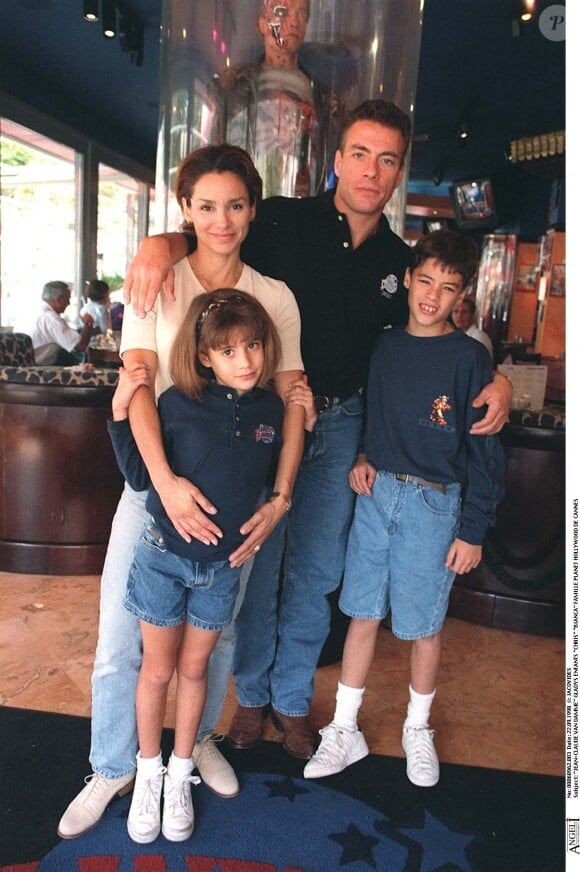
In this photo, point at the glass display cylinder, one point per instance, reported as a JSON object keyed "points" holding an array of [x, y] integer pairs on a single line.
{"points": [[276, 78], [495, 281]]}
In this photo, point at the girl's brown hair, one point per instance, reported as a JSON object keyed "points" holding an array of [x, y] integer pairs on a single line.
{"points": [[208, 323]]}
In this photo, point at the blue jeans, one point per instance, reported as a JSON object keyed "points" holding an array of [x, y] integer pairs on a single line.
{"points": [[119, 651], [278, 646], [396, 554]]}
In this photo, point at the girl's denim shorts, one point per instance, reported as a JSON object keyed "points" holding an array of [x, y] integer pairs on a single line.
{"points": [[165, 590]]}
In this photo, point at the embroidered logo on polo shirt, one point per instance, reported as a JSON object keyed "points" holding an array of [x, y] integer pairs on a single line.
{"points": [[265, 433], [389, 286]]}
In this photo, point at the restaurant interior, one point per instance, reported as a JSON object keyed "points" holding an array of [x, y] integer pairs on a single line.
{"points": [[489, 110]]}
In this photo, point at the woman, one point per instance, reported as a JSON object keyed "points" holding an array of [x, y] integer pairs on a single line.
{"points": [[217, 188]]}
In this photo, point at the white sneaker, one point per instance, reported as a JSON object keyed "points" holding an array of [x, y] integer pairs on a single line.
{"points": [[88, 807], [144, 820], [215, 771], [337, 750], [178, 813], [422, 760]]}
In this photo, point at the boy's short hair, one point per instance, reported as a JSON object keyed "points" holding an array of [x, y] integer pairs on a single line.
{"points": [[97, 290], [453, 250]]}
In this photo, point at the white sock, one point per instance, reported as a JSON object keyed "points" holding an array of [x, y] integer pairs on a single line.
{"points": [[179, 767], [149, 766], [348, 702], [418, 709]]}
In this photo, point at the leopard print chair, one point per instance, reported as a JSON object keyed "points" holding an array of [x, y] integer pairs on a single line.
{"points": [[16, 349]]}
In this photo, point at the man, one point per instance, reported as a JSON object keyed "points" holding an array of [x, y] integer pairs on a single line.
{"points": [[346, 268], [274, 110], [54, 342], [463, 316]]}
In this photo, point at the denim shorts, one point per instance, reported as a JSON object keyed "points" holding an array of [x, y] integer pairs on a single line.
{"points": [[396, 553], [165, 590]]}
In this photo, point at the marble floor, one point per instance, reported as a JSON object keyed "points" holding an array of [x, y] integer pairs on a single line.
{"points": [[499, 703]]}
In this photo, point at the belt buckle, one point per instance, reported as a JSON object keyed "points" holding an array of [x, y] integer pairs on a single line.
{"points": [[403, 476], [322, 403]]}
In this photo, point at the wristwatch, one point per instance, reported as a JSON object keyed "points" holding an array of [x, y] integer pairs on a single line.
{"points": [[277, 495]]}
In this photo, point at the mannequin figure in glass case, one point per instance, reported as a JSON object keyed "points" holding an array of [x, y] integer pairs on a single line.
{"points": [[275, 111]]}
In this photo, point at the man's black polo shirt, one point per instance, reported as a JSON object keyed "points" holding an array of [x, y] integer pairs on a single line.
{"points": [[346, 297]]}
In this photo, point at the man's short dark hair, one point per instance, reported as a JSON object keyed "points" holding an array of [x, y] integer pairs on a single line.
{"points": [[54, 291], [453, 250], [381, 112]]}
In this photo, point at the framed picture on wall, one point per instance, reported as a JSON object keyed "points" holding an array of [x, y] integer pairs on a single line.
{"points": [[526, 278], [558, 283]]}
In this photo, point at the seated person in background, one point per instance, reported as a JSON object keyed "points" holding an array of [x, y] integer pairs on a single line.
{"points": [[463, 317], [54, 342], [97, 305], [117, 312]]}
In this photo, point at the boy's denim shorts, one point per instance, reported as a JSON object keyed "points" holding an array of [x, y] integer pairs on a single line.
{"points": [[396, 553], [165, 590]]}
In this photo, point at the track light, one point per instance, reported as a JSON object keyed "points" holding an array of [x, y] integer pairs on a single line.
{"points": [[91, 10], [131, 38], [439, 172], [462, 131], [522, 13], [109, 14], [526, 9]]}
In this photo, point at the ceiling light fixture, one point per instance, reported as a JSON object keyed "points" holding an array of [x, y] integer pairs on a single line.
{"points": [[526, 9], [439, 172], [109, 14], [462, 130], [91, 10], [131, 38]]}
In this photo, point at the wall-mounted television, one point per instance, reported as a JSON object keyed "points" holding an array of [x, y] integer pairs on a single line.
{"points": [[474, 204]]}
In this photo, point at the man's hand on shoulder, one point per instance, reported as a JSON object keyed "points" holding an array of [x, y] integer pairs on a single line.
{"points": [[152, 269], [497, 395]]}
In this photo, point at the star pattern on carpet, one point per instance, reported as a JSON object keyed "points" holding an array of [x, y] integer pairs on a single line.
{"points": [[434, 832], [285, 787], [356, 846]]}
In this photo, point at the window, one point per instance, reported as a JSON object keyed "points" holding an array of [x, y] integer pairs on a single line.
{"points": [[54, 227], [121, 205], [38, 211]]}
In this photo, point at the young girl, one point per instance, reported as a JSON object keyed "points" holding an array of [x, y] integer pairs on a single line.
{"points": [[219, 428]]}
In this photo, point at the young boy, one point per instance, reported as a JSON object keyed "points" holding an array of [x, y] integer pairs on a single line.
{"points": [[427, 492]]}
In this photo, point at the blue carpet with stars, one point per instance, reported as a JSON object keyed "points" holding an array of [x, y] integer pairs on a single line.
{"points": [[367, 818]]}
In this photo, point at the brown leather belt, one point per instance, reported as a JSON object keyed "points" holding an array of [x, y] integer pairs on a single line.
{"points": [[414, 479]]}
